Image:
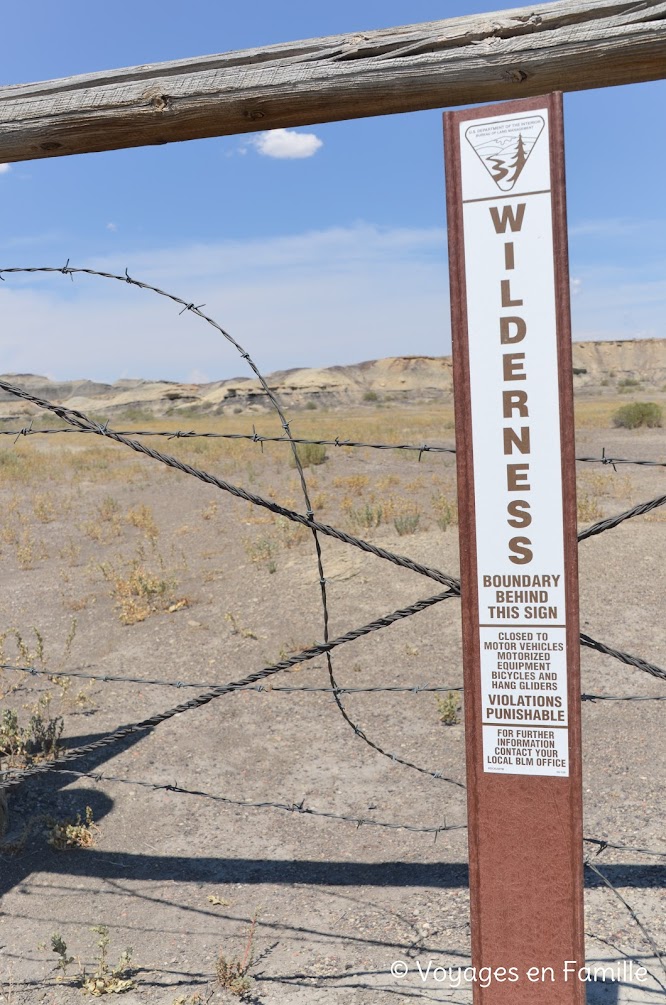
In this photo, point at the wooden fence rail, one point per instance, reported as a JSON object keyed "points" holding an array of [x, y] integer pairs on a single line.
{"points": [[567, 45]]}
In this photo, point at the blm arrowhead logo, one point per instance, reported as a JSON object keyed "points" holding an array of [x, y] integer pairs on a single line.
{"points": [[504, 146]]}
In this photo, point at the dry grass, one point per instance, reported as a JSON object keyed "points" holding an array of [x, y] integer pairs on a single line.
{"points": [[139, 591]]}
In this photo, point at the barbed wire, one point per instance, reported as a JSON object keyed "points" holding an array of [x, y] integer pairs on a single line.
{"points": [[96, 776], [58, 675], [10, 778], [265, 804], [622, 697], [604, 845], [112, 678], [337, 441]]}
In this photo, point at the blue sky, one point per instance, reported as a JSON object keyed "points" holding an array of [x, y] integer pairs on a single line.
{"points": [[330, 257]]}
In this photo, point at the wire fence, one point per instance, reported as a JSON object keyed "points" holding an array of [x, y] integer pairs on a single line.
{"points": [[338, 441], [133, 439]]}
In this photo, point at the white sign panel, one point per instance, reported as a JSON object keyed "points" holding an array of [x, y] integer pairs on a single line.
{"points": [[513, 372]]}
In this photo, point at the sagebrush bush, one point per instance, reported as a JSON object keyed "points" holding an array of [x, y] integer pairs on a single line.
{"points": [[638, 413], [308, 454]]}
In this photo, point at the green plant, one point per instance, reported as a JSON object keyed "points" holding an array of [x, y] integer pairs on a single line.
{"points": [[628, 382], [448, 708], [407, 523], [105, 979], [309, 454], [59, 946], [370, 396], [366, 516], [13, 741], [262, 552], [638, 413], [311, 406], [233, 972], [38, 741], [43, 735]]}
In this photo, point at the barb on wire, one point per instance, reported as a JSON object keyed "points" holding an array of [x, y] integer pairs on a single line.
{"points": [[14, 777], [603, 845], [613, 461], [266, 804]]}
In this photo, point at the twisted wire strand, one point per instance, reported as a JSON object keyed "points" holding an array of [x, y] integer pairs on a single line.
{"points": [[603, 845], [634, 661], [14, 777], [615, 521], [98, 777]]}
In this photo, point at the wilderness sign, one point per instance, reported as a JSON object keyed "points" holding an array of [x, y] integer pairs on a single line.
{"points": [[516, 495]]}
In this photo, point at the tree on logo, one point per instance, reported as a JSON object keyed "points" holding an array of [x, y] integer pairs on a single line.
{"points": [[518, 163]]}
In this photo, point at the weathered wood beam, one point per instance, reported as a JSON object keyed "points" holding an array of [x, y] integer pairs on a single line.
{"points": [[567, 45]]}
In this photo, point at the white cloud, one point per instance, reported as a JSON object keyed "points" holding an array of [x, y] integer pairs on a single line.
{"points": [[322, 298], [5, 168], [287, 144], [113, 227]]}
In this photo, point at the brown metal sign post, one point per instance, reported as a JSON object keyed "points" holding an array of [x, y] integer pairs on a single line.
{"points": [[517, 502]]}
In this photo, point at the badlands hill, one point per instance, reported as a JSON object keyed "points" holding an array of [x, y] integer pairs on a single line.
{"points": [[599, 368]]}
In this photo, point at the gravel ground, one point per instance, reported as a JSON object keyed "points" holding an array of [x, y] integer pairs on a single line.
{"points": [[179, 877]]}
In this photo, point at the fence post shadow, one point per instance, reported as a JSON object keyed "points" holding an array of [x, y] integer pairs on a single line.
{"points": [[603, 993]]}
